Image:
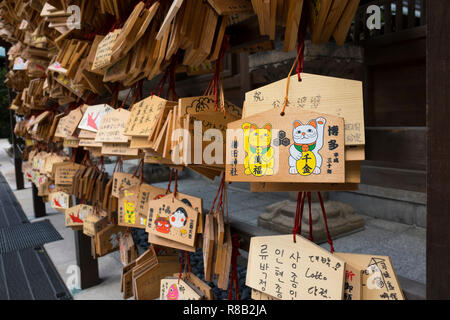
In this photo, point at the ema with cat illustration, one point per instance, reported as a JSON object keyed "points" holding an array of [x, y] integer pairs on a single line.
{"points": [[305, 158]]}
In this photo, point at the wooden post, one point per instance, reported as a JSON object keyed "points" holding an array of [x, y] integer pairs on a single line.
{"points": [[16, 153], [89, 275], [38, 203], [88, 265], [438, 149]]}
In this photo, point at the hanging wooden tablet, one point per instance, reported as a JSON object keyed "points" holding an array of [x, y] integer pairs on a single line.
{"points": [[93, 116], [107, 194], [169, 17], [146, 193], [128, 250], [127, 280], [147, 285], [318, 14], [134, 28], [345, 22], [208, 247], [292, 22], [156, 240], [173, 219], [94, 223], [226, 256], [68, 124], [294, 271], [112, 126], [334, 96], [123, 181], [227, 7], [144, 116], [107, 240], [60, 201], [258, 295], [128, 201], [64, 172], [335, 13], [353, 281], [201, 104], [118, 149], [379, 281], [301, 146], [102, 57], [75, 215], [173, 288], [196, 282]]}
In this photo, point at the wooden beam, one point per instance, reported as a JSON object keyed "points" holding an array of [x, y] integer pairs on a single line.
{"points": [[396, 147], [403, 179], [438, 150]]}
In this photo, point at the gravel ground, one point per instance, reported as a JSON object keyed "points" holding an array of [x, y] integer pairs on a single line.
{"points": [[140, 238]]}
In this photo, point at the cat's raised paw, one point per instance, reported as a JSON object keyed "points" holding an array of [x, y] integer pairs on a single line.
{"points": [[317, 170], [321, 120]]}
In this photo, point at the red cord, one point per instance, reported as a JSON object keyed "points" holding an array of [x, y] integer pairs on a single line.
{"points": [[330, 241], [310, 217], [299, 214], [234, 274], [170, 181]]}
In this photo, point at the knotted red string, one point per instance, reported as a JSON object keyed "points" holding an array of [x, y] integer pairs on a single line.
{"points": [[299, 215], [175, 189], [170, 181], [213, 87], [181, 266], [330, 241], [218, 192], [169, 73], [310, 216], [234, 279]]}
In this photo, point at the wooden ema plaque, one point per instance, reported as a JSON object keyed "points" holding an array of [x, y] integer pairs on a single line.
{"points": [[65, 171], [112, 127], [329, 95], [75, 215], [172, 289], [107, 240], [68, 124], [199, 284], [128, 202], [60, 201], [301, 146], [172, 219], [294, 271], [146, 193], [122, 181], [93, 116], [144, 116], [379, 281]]}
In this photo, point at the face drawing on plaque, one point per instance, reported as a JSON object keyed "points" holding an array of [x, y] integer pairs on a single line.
{"points": [[162, 225], [173, 292], [259, 160], [178, 219], [305, 158]]}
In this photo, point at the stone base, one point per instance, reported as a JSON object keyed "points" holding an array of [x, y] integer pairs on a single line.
{"points": [[341, 219]]}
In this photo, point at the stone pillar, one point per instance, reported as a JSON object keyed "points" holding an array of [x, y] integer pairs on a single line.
{"points": [[341, 217]]}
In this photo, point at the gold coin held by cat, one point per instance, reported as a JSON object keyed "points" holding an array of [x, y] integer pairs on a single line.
{"points": [[306, 164]]}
